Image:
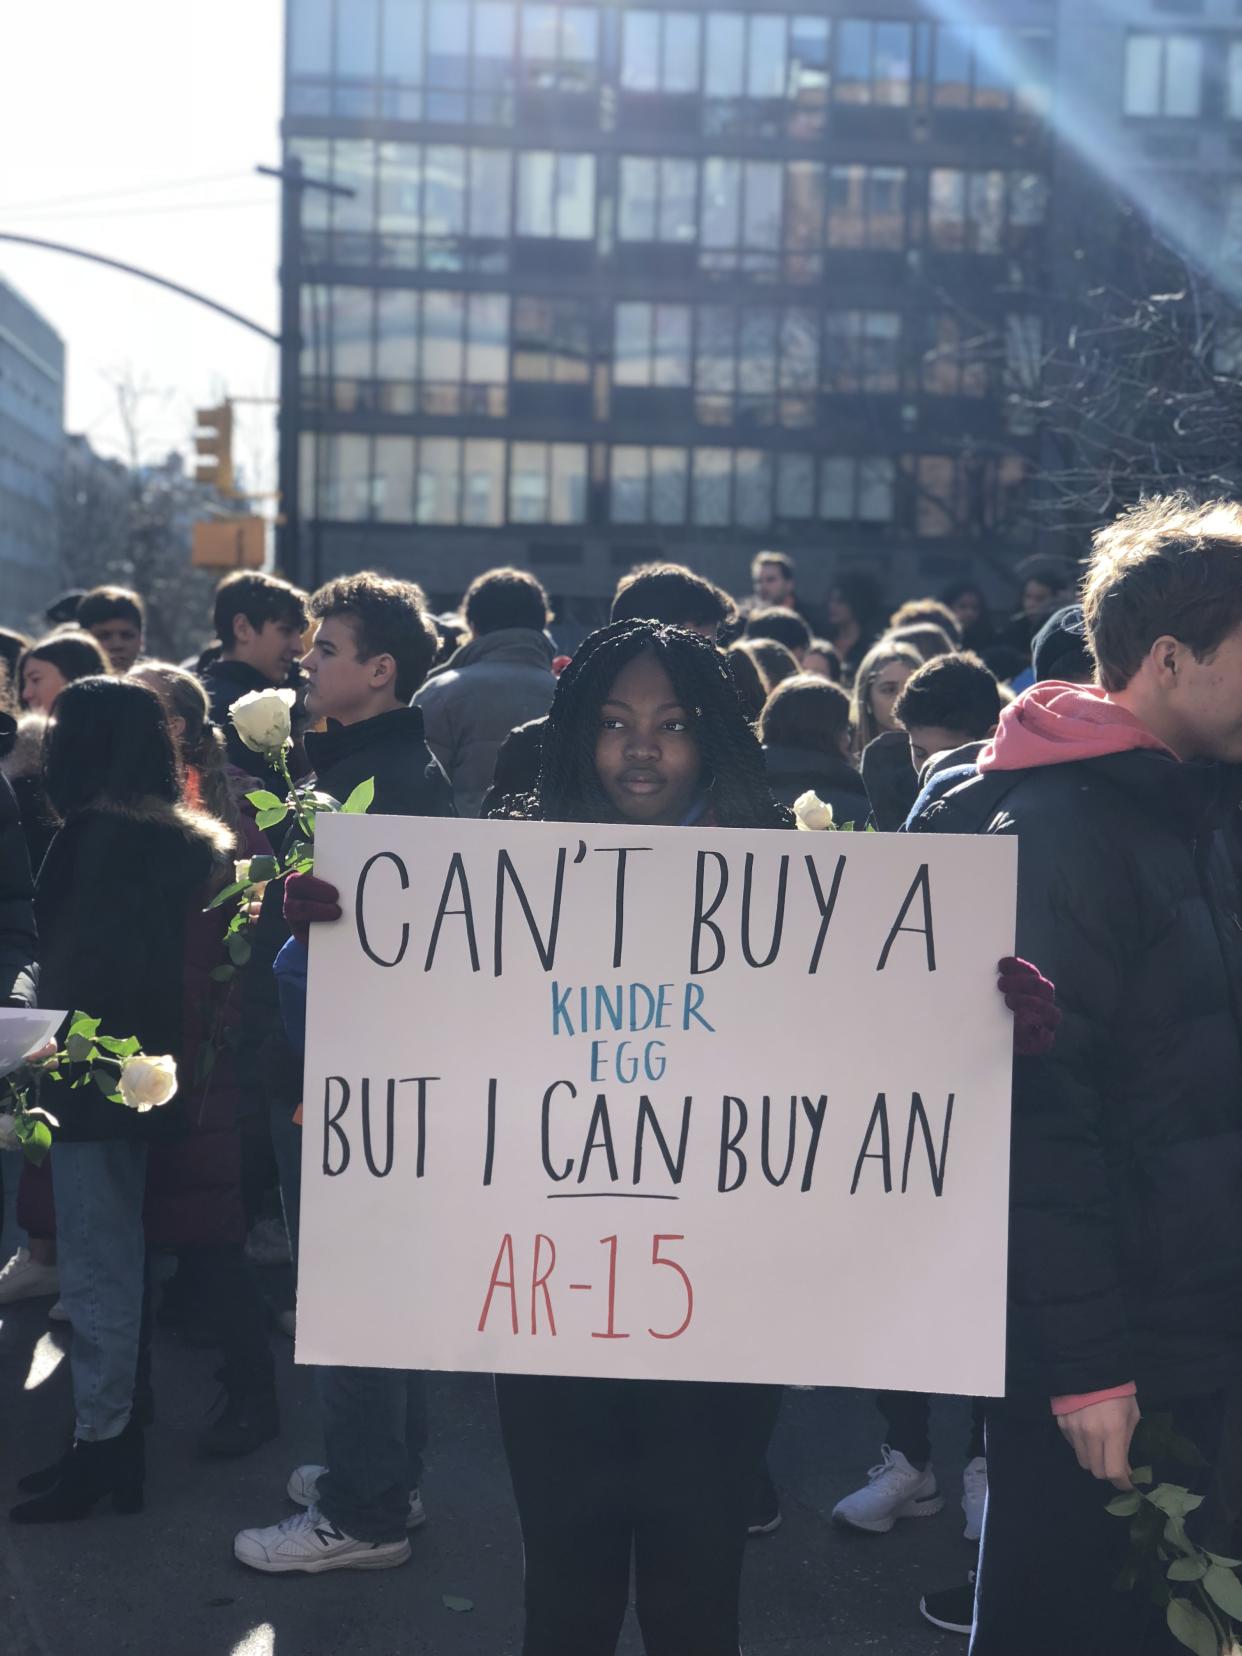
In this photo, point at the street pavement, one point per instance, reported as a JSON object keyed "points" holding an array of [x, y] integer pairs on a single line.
{"points": [[165, 1583]]}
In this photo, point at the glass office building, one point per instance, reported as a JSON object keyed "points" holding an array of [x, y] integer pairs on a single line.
{"points": [[619, 279]]}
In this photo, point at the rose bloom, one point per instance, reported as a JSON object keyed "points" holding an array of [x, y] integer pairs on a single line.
{"points": [[263, 719], [811, 812], [146, 1083]]}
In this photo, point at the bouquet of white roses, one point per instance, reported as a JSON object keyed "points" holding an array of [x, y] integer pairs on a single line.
{"points": [[263, 721]]}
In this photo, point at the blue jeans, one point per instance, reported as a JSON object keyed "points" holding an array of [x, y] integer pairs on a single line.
{"points": [[374, 1432], [99, 1190]]}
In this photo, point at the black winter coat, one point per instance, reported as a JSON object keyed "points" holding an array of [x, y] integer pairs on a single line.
{"points": [[1126, 1201], [113, 899], [17, 924], [408, 782], [795, 771]]}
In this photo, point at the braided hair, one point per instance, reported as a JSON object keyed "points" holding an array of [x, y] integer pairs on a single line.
{"points": [[569, 789]]}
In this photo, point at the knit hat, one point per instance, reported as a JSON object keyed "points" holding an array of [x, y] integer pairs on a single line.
{"points": [[1059, 649]]}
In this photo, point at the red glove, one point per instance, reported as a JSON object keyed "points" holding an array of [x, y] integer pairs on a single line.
{"points": [[1033, 1002], [307, 900]]}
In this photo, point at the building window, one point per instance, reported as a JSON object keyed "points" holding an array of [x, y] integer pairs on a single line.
{"points": [[955, 359], [867, 207], [740, 216], [483, 483], [648, 485], [310, 57], [712, 488], [437, 207], [660, 52], [1164, 75], [874, 63], [394, 479], [465, 69], [551, 340], [560, 48], [547, 483], [974, 68], [657, 200], [1233, 96], [862, 351], [765, 73], [651, 345], [857, 490], [556, 195], [985, 212]]}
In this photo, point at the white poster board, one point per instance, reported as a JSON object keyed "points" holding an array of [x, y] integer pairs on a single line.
{"points": [[594, 1100]]}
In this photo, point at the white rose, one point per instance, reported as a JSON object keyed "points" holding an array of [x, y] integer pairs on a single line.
{"points": [[8, 1131], [812, 813], [241, 872], [263, 719], [146, 1083]]}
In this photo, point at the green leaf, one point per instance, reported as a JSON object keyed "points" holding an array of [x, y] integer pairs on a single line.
{"points": [[206, 1063], [37, 1112], [1174, 1499], [1157, 1439], [1225, 1563], [106, 1084], [223, 974], [269, 818], [1225, 1590], [459, 1606], [1187, 1569], [361, 800], [264, 800], [120, 1049], [79, 1049], [239, 949], [263, 868], [1142, 1476], [1125, 1506], [82, 1025], [227, 895], [1190, 1627]]}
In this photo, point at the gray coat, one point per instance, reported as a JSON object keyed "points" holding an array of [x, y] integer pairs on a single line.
{"points": [[472, 703]]}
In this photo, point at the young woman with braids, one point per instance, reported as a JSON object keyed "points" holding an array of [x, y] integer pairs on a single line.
{"points": [[645, 727]]}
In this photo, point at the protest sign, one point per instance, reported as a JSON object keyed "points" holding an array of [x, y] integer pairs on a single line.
{"points": [[661, 1103]]}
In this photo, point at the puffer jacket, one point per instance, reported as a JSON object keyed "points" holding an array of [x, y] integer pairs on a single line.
{"points": [[794, 771], [1126, 1195], [472, 703]]}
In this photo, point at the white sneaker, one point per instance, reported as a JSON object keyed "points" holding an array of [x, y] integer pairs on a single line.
{"points": [[57, 1312], [303, 1487], [23, 1278], [895, 1489], [974, 1496], [310, 1543]]}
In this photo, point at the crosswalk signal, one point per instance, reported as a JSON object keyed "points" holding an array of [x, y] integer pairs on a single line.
{"points": [[213, 447]]}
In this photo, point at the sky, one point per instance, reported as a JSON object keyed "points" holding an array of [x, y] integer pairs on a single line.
{"points": [[132, 128]]}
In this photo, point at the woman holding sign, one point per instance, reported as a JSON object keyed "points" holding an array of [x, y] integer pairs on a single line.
{"points": [[645, 728]]}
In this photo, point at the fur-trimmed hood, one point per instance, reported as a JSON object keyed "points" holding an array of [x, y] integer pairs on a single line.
{"points": [[25, 756], [196, 827]]}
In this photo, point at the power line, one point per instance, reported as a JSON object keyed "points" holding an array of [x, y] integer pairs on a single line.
{"points": [[114, 195], [131, 212]]}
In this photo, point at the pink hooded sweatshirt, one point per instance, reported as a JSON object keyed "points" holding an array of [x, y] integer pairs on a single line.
{"points": [[1055, 724]]}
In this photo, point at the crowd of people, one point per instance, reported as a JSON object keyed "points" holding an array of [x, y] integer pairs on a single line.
{"points": [[1102, 725]]}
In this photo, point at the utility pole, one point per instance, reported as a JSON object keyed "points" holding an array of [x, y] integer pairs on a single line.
{"points": [[293, 182]]}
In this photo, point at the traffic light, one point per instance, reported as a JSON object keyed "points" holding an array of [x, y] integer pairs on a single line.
{"points": [[213, 447]]}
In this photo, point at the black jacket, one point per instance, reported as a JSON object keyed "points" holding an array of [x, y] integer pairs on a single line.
{"points": [[113, 899], [17, 923], [1126, 1202], [795, 771], [226, 682], [890, 779], [389, 749]]}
